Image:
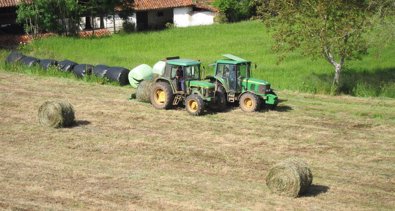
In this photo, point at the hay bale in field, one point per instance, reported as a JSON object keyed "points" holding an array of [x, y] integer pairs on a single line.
{"points": [[118, 74], [100, 70], [291, 177], [14, 57], [143, 91], [139, 74], [159, 68], [56, 114], [29, 61], [82, 70], [66, 65], [47, 63]]}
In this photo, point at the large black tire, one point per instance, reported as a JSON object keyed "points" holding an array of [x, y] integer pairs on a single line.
{"points": [[161, 95], [249, 102], [220, 103], [194, 105]]}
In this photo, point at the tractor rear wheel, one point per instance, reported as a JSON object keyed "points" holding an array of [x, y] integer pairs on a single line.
{"points": [[161, 95], [194, 105], [220, 102], [249, 102]]}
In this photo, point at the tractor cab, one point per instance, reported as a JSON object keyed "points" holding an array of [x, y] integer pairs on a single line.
{"points": [[181, 72], [181, 82], [231, 72], [232, 76]]}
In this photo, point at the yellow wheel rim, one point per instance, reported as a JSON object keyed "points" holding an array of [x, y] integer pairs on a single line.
{"points": [[248, 102], [193, 105], [160, 96]]}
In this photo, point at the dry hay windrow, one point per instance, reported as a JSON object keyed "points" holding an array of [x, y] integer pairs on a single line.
{"points": [[291, 177], [56, 114]]}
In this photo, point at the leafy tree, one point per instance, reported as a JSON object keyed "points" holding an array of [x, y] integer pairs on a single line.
{"points": [[336, 30], [235, 10], [60, 16]]}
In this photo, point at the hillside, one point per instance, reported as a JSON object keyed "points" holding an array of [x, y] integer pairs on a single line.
{"points": [[374, 75], [125, 155]]}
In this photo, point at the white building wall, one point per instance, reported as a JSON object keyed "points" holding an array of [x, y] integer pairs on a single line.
{"points": [[185, 16], [108, 22]]}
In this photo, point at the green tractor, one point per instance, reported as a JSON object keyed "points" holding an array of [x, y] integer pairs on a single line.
{"points": [[180, 81], [232, 77]]}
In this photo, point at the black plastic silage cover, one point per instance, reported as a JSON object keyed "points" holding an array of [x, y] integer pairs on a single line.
{"points": [[14, 56], [82, 70], [119, 74], [46, 63], [66, 65], [100, 70], [29, 61]]}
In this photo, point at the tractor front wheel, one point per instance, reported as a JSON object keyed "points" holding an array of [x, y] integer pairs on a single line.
{"points": [[161, 95], [194, 105], [249, 102]]}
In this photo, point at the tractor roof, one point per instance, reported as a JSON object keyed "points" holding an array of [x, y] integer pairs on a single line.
{"points": [[183, 62], [232, 59]]}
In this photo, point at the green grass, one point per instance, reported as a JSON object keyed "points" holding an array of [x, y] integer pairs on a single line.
{"points": [[372, 76]]}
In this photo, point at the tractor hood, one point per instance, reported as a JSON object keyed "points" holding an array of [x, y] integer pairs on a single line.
{"points": [[203, 84], [255, 81]]}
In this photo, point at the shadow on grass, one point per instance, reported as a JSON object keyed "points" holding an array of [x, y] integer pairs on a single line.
{"points": [[81, 123], [376, 82], [316, 190]]}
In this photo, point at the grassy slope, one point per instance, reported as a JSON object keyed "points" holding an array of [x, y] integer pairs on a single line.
{"points": [[127, 155], [373, 76]]}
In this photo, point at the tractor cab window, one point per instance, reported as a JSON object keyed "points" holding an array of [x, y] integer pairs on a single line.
{"points": [[220, 70], [174, 71], [243, 70], [192, 72]]}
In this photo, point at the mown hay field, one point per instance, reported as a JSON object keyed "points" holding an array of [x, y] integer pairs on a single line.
{"points": [[125, 155]]}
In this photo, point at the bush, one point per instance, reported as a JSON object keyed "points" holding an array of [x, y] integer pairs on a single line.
{"points": [[128, 27], [235, 10]]}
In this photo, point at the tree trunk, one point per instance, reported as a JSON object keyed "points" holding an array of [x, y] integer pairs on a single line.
{"points": [[336, 79], [113, 20]]}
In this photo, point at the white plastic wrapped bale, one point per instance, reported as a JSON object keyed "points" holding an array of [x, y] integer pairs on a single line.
{"points": [[139, 74], [159, 68]]}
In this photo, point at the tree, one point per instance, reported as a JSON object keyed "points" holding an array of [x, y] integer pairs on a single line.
{"points": [[235, 10], [59, 16], [336, 30]]}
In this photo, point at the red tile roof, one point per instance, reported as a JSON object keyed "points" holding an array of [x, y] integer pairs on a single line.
{"points": [[160, 4], [10, 3], [163, 4]]}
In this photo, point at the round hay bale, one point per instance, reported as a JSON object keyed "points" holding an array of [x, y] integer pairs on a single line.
{"points": [[100, 70], [81, 70], [159, 68], [119, 74], [56, 114], [29, 61], [66, 65], [138, 74], [291, 177], [143, 91], [47, 63], [14, 56]]}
